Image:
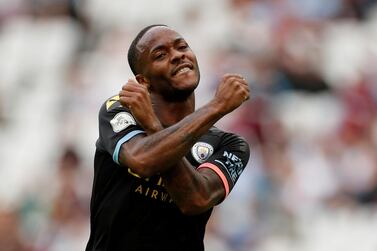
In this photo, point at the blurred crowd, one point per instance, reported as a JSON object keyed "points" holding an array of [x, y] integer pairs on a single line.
{"points": [[311, 183]]}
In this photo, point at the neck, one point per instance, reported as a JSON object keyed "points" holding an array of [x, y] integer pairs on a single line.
{"points": [[170, 113]]}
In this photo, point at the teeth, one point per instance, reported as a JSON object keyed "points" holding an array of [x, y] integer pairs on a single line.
{"points": [[183, 70]]}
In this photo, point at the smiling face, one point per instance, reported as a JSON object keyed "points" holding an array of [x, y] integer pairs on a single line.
{"points": [[167, 63]]}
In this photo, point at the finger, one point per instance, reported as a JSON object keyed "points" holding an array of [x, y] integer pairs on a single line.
{"points": [[228, 75], [128, 102], [236, 85], [233, 75], [128, 98], [123, 93], [130, 84], [246, 95], [136, 83], [135, 88], [238, 76], [136, 97], [236, 79], [243, 84]]}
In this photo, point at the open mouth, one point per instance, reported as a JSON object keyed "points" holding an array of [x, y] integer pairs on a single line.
{"points": [[183, 68]]}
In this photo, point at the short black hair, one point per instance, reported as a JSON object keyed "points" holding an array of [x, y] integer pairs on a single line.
{"points": [[132, 51]]}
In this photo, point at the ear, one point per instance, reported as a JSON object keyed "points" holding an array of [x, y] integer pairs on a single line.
{"points": [[142, 80]]}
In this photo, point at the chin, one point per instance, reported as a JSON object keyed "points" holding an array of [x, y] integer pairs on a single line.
{"points": [[188, 85], [181, 88], [187, 82]]}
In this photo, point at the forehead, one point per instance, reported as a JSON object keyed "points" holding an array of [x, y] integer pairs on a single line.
{"points": [[157, 36]]}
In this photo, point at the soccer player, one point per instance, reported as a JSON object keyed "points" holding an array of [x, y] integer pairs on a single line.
{"points": [[160, 166]]}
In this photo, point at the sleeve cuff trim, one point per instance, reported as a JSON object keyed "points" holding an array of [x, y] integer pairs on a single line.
{"points": [[123, 140], [217, 170]]}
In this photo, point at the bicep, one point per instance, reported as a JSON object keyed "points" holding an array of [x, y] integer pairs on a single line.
{"points": [[128, 150], [116, 127], [228, 162], [215, 185], [193, 191]]}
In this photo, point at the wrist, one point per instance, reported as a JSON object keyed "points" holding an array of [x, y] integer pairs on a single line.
{"points": [[153, 127], [217, 108]]}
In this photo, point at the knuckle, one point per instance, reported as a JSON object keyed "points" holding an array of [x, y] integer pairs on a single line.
{"points": [[237, 83], [139, 97], [228, 76]]}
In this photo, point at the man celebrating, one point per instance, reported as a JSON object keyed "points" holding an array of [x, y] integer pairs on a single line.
{"points": [[160, 166]]}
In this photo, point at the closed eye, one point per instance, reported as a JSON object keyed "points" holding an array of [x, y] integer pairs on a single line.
{"points": [[159, 56], [183, 47]]}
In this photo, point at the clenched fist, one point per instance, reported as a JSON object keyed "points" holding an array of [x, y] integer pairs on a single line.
{"points": [[232, 91], [136, 98]]}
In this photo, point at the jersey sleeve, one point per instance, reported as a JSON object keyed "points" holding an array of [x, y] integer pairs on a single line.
{"points": [[116, 126], [229, 160]]}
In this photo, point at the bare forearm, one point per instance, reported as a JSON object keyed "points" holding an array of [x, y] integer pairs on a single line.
{"points": [[159, 151], [192, 191], [181, 182]]}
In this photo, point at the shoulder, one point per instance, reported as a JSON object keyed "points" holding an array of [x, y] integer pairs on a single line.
{"points": [[110, 104], [112, 107], [119, 117]]}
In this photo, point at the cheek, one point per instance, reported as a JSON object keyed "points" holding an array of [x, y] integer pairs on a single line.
{"points": [[159, 69], [190, 55]]}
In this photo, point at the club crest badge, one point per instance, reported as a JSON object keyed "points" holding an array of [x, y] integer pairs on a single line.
{"points": [[201, 151], [121, 121]]}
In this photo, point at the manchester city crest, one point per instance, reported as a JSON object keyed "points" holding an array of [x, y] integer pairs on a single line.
{"points": [[201, 151]]}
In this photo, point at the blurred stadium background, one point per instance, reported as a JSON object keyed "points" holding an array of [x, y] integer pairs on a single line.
{"points": [[311, 184]]}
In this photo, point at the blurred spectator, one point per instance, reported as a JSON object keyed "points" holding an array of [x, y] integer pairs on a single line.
{"points": [[10, 233]]}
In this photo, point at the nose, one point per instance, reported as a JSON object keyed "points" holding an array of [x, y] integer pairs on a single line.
{"points": [[177, 56]]}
